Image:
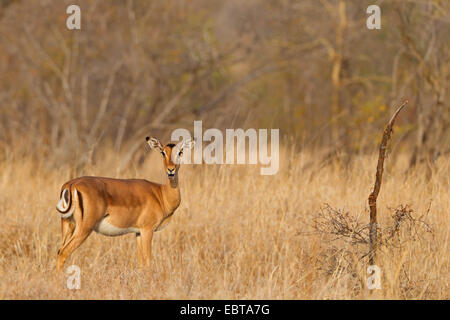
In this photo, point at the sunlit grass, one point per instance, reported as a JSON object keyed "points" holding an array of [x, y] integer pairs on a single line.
{"points": [[235, 235]]}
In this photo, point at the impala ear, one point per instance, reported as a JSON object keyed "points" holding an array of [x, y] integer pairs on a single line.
{"points": [[185, 144], [154, 143], [188, 144]]}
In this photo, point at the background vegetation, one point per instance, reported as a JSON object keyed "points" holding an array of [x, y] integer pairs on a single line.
{"points": [[81, 102], [311, 68]]}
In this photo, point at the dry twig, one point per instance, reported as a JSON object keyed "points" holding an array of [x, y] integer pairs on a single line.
{"points": [[376, 189]]}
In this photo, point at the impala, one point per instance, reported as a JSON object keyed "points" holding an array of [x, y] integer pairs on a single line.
{"points": [[114, 207]]}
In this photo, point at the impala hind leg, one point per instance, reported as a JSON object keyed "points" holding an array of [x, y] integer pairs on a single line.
{"points": [[147, 236], [67, 228], [79, 235]]}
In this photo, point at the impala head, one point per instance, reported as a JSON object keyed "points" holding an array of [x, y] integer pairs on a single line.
{"points": [[171, 153]]}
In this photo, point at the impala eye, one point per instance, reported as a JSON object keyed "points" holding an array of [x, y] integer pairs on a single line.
{"points": [[180, 153], [163, 153]]}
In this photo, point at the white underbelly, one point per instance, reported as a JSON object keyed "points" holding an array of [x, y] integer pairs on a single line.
{"points": [[106, 228]]}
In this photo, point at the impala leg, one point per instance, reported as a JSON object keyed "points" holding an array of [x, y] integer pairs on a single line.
{"points": [[74, 242], [139, 248], [67, 228], [147, 236]]}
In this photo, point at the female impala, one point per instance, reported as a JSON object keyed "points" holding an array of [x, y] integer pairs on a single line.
{"points": [[115, 207]]}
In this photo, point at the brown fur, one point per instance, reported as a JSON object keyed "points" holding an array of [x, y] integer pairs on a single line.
{"points": [[128, 203]]}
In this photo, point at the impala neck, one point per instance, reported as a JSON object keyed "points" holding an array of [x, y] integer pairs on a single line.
{"points": [[171, 194]]}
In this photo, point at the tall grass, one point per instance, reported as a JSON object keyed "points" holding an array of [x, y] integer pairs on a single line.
{"points": [[236, 235]]}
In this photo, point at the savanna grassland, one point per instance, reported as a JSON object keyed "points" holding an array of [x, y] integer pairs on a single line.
{"points": [[236, 235], [77, 102]]}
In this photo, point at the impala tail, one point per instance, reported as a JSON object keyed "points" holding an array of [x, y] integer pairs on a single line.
{"points": [[66, 205]]}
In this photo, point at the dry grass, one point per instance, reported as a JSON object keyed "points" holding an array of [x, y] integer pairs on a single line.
{"points": [[236, 235]]}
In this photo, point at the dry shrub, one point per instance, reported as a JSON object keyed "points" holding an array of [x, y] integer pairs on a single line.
{"points": [[347, 236]]}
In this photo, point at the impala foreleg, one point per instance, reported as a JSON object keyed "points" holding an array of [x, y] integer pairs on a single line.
{"points": [[139, 249], [147, 236]]}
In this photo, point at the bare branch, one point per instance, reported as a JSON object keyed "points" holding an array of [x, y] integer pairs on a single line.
{"points": [[378, 179]]}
